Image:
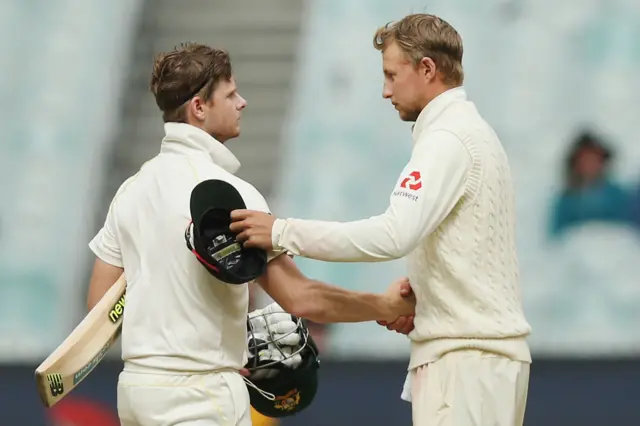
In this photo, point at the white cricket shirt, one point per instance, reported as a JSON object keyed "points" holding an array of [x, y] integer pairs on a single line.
{"points": [[177, 317], [452, 215]]}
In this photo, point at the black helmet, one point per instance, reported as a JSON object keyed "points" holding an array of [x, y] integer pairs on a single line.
{"points": [[287, 390]]}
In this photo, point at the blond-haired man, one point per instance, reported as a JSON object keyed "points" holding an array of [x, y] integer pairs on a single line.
{"points": [[452, 215]]}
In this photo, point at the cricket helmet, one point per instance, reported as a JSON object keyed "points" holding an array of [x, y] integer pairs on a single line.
{"points": [[283, 367]]}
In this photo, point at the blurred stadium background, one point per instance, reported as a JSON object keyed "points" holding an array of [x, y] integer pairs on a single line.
{"points": [[558, 79]]}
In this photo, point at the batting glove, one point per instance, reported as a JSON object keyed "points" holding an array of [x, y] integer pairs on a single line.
{"points": [[273, 338]]}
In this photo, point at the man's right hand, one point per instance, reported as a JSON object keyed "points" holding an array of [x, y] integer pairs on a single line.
{"points": [[404, 323], [400, 303]]}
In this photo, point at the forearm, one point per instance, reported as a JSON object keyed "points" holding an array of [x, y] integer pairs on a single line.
{"points": [[317, 301], [369, 240], [103, 277], [323, 303]]}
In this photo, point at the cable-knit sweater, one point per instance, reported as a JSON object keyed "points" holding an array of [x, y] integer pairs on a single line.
{"points": [[452, 214]]}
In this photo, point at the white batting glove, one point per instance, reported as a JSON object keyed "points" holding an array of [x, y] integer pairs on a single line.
{"points": [[278, 329]]}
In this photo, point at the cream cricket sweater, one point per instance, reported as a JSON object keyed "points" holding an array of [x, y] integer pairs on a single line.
{"points": [[452, 215]]}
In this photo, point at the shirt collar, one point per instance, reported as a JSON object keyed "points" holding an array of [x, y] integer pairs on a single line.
{"points": [[182, 138], [433, 109]]}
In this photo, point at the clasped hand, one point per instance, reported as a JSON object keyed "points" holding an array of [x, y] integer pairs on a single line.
{"points": [[403, 299]]}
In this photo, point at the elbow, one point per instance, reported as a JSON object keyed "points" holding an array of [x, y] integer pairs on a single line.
{"points": [[398, 253], [398, 240], [401, 248], [90, 303], [307, 303], [384, 253], [312, 312]]}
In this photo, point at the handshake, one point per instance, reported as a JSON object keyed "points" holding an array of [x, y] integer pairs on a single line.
{"points": [[401, 295], [277, 339]]}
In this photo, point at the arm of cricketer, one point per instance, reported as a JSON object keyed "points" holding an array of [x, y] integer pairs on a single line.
{"points": [[428, 189], [325, 303]]}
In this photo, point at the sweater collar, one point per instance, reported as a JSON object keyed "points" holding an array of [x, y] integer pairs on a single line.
{"points": [[182, 138], [433, 109]]}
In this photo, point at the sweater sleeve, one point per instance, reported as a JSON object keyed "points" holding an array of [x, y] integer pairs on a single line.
{"points": [[428, 188]]}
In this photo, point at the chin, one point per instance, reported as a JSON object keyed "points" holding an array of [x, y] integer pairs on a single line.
{"points": [[408, 116], [232, 134]]}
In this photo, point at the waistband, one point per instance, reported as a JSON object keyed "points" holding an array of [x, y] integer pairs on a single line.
{"points": [[133, 367], [424, 352]]}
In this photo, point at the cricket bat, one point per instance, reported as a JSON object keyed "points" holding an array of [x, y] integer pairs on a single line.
{"points": [[84, 348]]}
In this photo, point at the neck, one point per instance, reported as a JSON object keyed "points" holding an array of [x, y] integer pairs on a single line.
{"points": [[220, 138], [438, 89], [217, 136], [184, 138]]}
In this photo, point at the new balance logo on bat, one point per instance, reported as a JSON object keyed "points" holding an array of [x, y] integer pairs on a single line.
{"points": [[117, 310], [56, 386]]}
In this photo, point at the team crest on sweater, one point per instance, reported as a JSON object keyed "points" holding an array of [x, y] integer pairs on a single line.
{"points": [[409, 185], [412, 182]]}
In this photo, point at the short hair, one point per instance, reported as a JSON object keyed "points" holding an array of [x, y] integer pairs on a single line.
{"points": [[190, 69], [422, 35]]}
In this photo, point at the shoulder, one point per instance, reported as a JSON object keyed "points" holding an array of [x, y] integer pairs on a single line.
{"points": [[123, 189], [441, 142], [459, 115], [125, 186], [253, 199], [464, 120], [129, 185]]}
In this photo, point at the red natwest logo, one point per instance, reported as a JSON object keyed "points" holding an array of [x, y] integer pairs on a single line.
{"points": [[412, 182]]}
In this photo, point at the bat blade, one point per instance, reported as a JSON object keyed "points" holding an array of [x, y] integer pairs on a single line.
{"points": [[73, 360]]}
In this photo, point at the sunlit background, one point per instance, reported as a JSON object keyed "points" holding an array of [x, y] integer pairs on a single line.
{"points": [[559, 81]]}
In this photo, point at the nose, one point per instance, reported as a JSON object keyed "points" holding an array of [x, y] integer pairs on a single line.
{"points": [[386, 92], [243, 104]]}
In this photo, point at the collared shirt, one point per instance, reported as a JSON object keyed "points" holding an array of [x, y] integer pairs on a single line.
{"points": [[178, 317]]}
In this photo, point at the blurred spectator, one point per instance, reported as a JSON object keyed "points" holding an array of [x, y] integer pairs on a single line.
{"points": [[635, 206], [589, 194]]}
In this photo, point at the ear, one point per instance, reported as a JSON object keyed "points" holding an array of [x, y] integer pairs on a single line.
{"points": [[196, 105], [427, 68]]}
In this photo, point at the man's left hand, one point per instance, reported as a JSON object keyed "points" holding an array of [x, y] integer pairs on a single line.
{"points": [[253, 227]]}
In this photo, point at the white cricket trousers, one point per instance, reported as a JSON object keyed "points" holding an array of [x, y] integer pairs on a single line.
{"points": [[212, 399], [470, 388]]}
